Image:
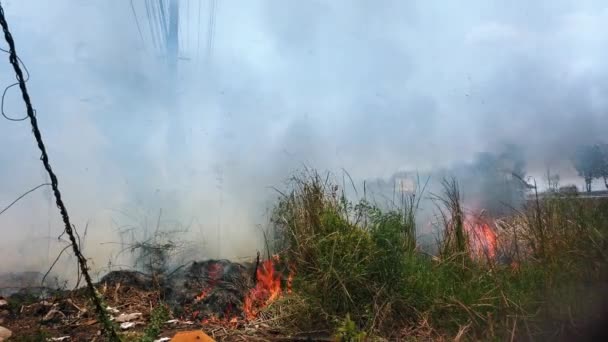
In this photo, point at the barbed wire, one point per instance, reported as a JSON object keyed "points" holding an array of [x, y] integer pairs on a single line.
{"points": [[14, 60]]}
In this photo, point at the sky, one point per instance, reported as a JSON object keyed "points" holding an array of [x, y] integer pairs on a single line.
{"points": [[367, 87]]}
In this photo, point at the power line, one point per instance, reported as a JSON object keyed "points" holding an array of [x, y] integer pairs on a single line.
{"points": [[151, 26], [162, 18], [137, 23]]}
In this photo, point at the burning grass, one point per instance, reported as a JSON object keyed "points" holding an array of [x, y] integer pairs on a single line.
{"points": [[537, 274]]}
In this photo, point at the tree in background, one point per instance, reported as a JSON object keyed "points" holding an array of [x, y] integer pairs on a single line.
{"points": [[590, 162], [552, 180]]}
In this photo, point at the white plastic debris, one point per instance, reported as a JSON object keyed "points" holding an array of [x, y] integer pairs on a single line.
{"points": [[62, 338], [127, 325], [163, 339], [112, 310], [128, 317], [177, 321]]}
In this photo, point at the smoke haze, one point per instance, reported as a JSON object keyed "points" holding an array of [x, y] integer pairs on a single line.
{"points": [[369, 87]]}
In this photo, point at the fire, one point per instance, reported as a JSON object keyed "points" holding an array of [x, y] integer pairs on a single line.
{"points": [[267, 287], [225, 295], [482, 238]]}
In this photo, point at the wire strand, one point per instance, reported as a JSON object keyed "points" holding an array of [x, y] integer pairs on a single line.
{"points": [[20, 197], [141, 35], [27, 78]]}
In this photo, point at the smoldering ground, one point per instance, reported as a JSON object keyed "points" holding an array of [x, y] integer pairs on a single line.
{"points": [[269, 86]]}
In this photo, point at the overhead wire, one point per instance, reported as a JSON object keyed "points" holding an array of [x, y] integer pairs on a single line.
{"points": [[162, 19], [154, 24], [141, 35], [211, 30], [151, 25]]}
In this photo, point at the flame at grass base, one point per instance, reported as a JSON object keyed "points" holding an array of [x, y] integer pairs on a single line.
{"points": [[227, 294], [482, 238], [267, 288]]}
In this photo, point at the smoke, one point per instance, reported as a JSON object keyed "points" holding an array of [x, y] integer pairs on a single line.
{"points": [[369, 87]]}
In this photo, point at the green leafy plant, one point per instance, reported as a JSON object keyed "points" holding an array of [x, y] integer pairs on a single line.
{"points": [[158, 317], [347, 331]]}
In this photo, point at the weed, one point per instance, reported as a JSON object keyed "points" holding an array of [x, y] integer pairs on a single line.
{"points": [[158, 317], [347, 331]]}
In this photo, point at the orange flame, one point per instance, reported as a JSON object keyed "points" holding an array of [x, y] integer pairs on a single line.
{"points": [[267, 288], [482, 238]]}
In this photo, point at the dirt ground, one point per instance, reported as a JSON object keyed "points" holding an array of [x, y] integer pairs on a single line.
{"points": [[70, 313]]}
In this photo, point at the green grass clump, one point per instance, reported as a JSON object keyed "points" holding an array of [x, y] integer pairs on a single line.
{"points": [[158, 317], [347, 331], [345, 266], [354, 260]]}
